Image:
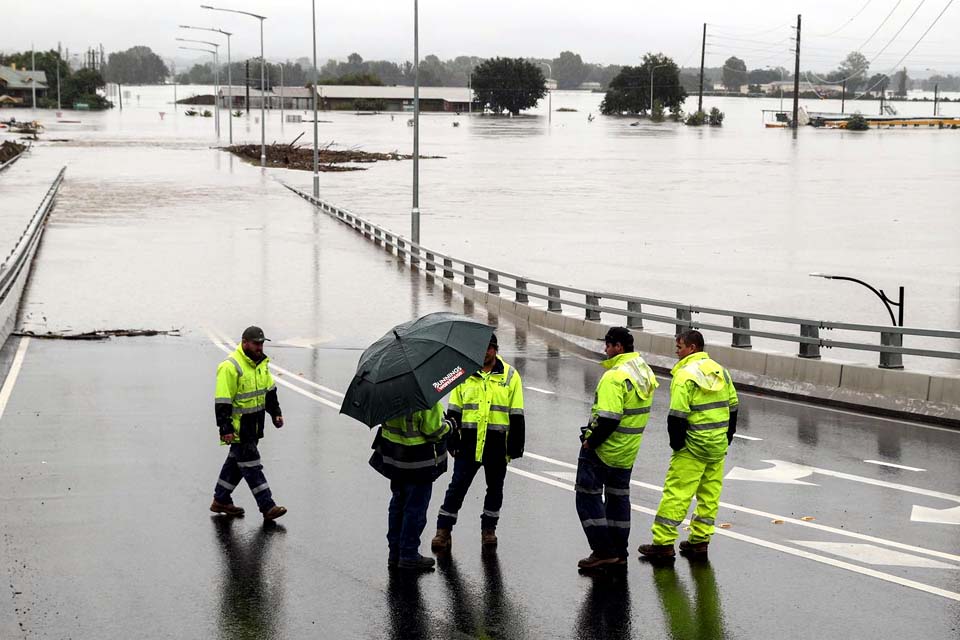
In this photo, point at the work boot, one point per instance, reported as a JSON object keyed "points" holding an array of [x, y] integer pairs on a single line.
{"points": [[229, 509], [657, 551], [593, 561], [420, 563], [441, 542], [275, 512], [693, 549], [488, 537]]}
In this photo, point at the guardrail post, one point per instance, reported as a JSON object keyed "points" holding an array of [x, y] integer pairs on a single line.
{"points": [[468, 276], [377, 237], [683, 315], [493, 286], [740, 340], [431, 259], [401, 251], [553, 304], [891, 360], [448, 268], [388, 244], [808, 350], [592, 314], [522, 291], [632, 321], [414, 256]]}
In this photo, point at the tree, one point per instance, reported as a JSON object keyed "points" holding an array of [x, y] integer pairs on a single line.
{"points": [[46, 61], [853, 68], [136, 65], [734, 73], [877, 83], [82, 87], [568, 70], [901, 81], [629, 92], [508, 84]]}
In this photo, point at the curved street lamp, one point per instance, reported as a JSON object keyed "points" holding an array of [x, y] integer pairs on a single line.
{"points": [[214, 54], [216, 77], [549, 95], [887, 302], [229, 74]]}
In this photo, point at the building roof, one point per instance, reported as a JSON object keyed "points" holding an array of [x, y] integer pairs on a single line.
{"points": [[22, 78]]}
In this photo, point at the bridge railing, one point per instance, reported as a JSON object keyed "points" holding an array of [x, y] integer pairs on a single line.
{"points": [[807, 334]]}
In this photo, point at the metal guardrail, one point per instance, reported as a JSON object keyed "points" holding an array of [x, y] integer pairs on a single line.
{"points": [[888, 340], [10, 162], [19, 256]]}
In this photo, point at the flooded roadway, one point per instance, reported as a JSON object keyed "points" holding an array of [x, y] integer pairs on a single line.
{"points": [[108, 453]]}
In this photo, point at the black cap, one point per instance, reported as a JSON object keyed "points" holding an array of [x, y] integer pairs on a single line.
{"points": [[619, 335], [493, 341], [254, 334]]}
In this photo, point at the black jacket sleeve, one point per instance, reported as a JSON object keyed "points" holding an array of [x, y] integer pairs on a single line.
{"points": [[453, 439], [732, 428], [599, 433], [677, 428], [516, 437], [224, 412], [272, 403]]}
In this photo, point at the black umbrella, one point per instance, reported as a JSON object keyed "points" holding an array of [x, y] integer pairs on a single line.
{"points": [[414, 365]]}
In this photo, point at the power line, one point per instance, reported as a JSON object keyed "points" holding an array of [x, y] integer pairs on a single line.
{"points": [[867, 41], [844, 25]]}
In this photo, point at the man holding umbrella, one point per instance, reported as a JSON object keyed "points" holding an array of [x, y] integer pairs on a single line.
{"points": [[488, 411], [399, 383]]}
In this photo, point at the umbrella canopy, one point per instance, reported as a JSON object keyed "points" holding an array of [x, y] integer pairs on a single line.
{"points": [[414, 365]]}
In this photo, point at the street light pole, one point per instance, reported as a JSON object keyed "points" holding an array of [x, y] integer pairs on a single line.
{"points": [[316, 150], [652, 69], [887, 302], [415, 211], [216, 78], [214, 54], [229, 77], [549, 95], [263, 125]]}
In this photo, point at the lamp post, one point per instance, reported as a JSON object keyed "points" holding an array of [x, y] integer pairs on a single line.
{"points": [[549, 95], [229, 77], [316, 154], [415, 211], [887, 302], [263, 124], [216, 78], [214, 54], [652, 69], [780, 71]]}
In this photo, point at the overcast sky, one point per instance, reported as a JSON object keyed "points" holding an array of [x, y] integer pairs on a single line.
{"points": [[609, 31]]}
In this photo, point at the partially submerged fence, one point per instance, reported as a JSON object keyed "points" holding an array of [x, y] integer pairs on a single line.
{"points": [[806, 334], [16, 265]]}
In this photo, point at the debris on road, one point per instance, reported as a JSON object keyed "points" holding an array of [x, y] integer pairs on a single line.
{"points": [[105, 334], [9, 149], [293, 156]]}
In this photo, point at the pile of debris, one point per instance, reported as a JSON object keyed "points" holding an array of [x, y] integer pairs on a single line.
{"points": [[10, 149], [293, 156]]}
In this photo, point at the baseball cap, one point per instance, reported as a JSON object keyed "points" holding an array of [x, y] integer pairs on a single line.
{"points": [[254, 334], [493, 341]]}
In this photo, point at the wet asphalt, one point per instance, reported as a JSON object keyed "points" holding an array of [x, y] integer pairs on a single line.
{"points": [[109, 455]]}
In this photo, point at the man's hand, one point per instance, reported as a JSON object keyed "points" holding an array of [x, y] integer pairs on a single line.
{"points": [[278, 421], [585, 445], [228, 438]]}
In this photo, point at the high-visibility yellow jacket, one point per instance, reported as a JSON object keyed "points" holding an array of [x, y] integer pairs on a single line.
{"points": [[411, 448], [245, 390], [702, 394], [624, 395], [489, 405]]}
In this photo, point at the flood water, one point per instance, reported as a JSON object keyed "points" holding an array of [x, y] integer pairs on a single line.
{"points": [[733, 217]]}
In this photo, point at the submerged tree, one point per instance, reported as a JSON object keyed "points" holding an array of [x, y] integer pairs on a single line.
{"points": [[508, 84], [630, 90]]}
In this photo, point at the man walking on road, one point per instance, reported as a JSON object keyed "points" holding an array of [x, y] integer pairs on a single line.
{"points": [[610, 445], [702, 421], [411, 452], [487, 410], [245, 391]]}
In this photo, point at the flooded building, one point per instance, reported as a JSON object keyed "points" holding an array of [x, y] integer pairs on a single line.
{"points": [[17, 85], [355, 98]]}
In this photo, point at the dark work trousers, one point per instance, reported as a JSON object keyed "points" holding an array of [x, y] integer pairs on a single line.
{"points": [[464, 470], [603, 504], [407, 516], [243, 461]]}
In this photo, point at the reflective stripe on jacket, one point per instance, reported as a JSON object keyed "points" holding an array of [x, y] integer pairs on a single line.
{"points": [[244, 384], [703, 393], [411, 448], [625, 394], [485, 402]]}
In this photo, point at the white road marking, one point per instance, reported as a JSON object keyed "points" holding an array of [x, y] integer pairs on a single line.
{"points": [[12, 375], [549, 393], [873, 555], [912, 584], [936, 516], [780, 472], [895, 466], [773, 516], [790, 471], [740, 435], [301, 342]]}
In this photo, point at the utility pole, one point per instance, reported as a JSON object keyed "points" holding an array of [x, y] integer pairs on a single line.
{"points": [[33, 79], [120, 95], [59, 58], [796, 79], [843, 98], [703, 52], [247, 83], [883, 93], [936, 94]]}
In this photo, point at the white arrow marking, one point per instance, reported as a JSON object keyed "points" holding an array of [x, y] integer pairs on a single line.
{"points": [[782, 472], [549, 393], [873, 555], [937, 516], [895, 466]]}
